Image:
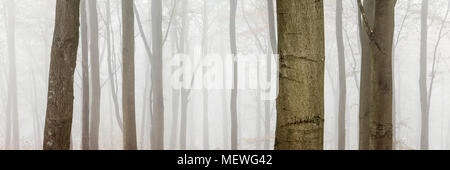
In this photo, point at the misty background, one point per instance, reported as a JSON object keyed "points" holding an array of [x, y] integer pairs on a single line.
{"points": [[34, 22]]}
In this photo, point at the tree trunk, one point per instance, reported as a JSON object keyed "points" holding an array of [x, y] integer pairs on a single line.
{"points": [[111, 68], [300, 104], [423, 76], [342, 76], [184, 92], [380, 112], [233, 102], [85, 78], [364, 135], [128, 98], [58, 120], [157, 131], [205, 89], [95, 76], [12, 115]]}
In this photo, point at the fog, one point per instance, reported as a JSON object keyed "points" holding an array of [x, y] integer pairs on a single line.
{"points": [[208, 38]]}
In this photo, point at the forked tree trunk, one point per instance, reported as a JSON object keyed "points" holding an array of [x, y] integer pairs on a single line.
{"points": [[58, 122], [300, 104]]}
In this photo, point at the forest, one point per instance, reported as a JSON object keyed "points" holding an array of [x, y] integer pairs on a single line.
{"points": [[224, 75]]}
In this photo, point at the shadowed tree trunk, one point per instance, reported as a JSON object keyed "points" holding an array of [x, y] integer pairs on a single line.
{"points": [[300, 104], [85, 78], [12, 115], [58, 120], [342, 76], [95, 76], [233, 102], [128, 105], [157, 131], [364, 135], [423, 76]]}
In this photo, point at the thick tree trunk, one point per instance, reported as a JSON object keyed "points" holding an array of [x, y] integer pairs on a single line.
{"points": [[58, 122], [364, 134], [300, 104], [342, 76], [380, 112], [157, 131], [85, 78], [128, 98], [423, 76], [95, 76], [234, 90], [12, 115]]}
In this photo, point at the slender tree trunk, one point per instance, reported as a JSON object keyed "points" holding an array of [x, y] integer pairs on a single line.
{"points": [[128, 104], [342, 76], [58, 120], [175, 99], [12, 118], [423, 76], [300, 104], [233, 103], [364, 134], [157, 131], [184, 92], [205, 89], [95, 76], [85, 78], [111, 70]]}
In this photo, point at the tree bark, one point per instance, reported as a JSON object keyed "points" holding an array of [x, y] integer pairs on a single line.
{"points": [[300, 104], [423, 76], [342, 76], [364, 135], [85, 78], [58, 120], [95, 76], [128, 92], [157, 131]]}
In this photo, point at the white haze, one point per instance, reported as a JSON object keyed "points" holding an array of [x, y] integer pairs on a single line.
{"points": [[34, 31]]}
